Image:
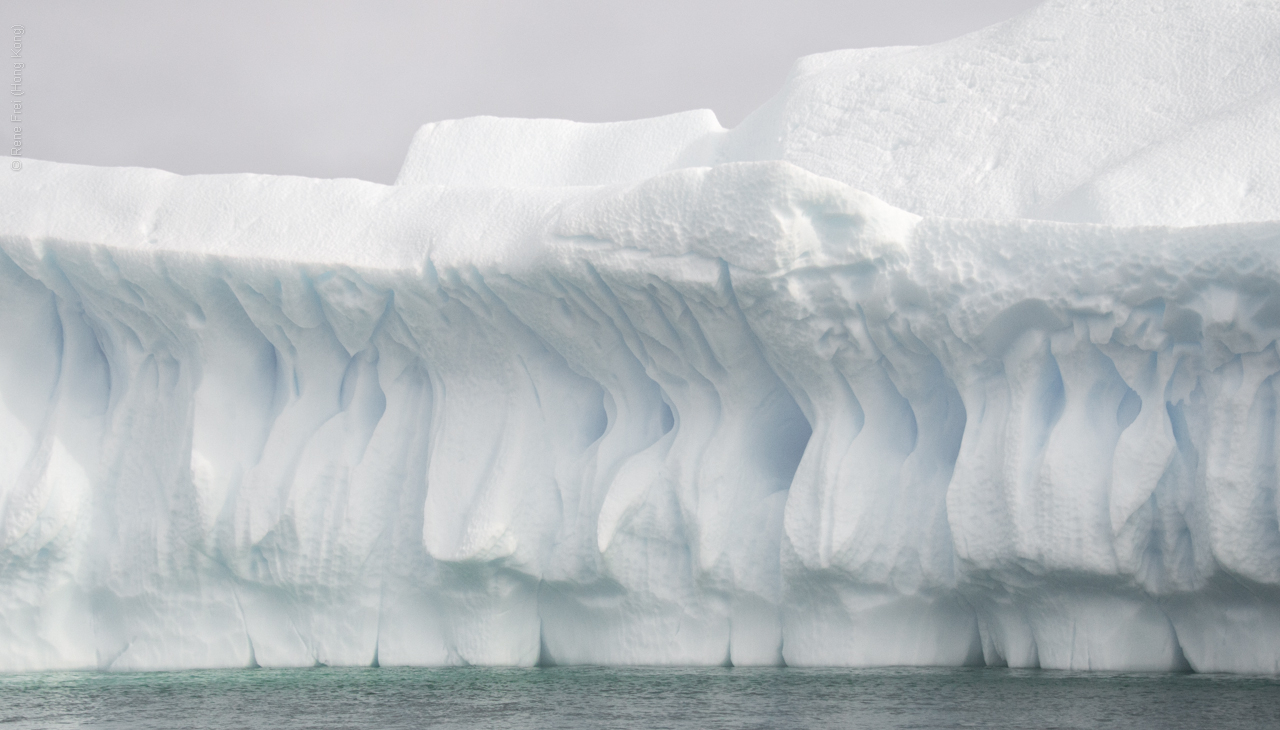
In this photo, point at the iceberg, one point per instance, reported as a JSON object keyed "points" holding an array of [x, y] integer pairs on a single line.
{"points": [[954, 355]]}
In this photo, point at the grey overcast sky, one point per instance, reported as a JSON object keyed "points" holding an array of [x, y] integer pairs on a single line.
{"points": [[337, 89]]}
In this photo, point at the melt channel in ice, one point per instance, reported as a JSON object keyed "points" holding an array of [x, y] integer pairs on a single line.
{"points": [[947, 355]]}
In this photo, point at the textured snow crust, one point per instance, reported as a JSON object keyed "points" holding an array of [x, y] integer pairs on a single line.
{"points": [[629, 394], [1122, 112]]}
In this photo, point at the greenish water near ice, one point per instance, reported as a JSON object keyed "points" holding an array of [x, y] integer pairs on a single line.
{"points": [[635, 698]]}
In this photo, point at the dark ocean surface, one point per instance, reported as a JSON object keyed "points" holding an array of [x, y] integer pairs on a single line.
{"points": [[636, 699]]}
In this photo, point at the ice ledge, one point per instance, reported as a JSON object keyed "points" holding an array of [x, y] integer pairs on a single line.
{"points": [[761, 216]]}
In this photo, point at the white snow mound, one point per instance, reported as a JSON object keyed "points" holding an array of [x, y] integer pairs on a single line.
{"points": [[661, 393]]}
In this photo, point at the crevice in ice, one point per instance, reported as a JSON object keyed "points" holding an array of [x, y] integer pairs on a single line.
{"points": [[1130, 407], [596, 425], [1180, 661], [544, 654], [1053, 401], [85, 367], [1182, 325], [975, 657], [1182, 434], [1016, 321]]}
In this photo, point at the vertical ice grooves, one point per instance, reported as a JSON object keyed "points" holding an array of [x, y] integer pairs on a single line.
{"points": [[740, 412]]}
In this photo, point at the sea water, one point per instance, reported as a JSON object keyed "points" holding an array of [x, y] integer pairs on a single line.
{"points": [[649, 698]]}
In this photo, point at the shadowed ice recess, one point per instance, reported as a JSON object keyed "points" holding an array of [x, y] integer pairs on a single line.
{"points": [[657, 392]]}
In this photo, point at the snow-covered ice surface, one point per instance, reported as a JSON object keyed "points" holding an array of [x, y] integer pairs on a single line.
{"points": [[662, 393]]}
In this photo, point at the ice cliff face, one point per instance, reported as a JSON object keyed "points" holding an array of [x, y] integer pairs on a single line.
{"points": [[658, 392]]}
